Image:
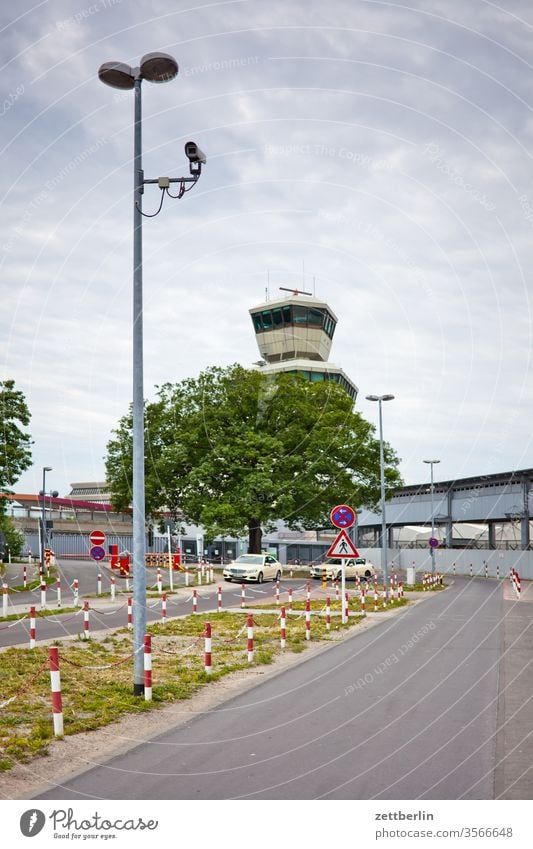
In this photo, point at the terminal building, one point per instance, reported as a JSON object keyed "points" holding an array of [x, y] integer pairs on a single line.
{"points": [[294, 335]]}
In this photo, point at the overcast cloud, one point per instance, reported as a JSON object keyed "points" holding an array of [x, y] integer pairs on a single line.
{"points": [[383, 149]]}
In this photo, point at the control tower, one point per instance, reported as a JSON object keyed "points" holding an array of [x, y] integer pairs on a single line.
{"points": [[294, 335]]}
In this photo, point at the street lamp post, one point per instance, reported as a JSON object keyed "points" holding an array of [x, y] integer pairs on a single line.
{"points": [[432, 463], [42, 535], [379, 399], [156, 68]]}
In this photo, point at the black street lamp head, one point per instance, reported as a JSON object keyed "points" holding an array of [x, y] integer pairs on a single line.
{"points": [[117, 75], [379, 397], [158, 67]]}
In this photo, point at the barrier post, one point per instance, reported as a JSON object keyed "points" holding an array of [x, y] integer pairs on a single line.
{"points": [[328, 614], [277, 592], [346, 608], [130, 613], [24, 578], [147, 668], [307, 619], [4, 599], [336, 590], [283, 629], [32, 627], [194, 601], [55, 682], [219, 599], [75, 592], [85, 620], [307, 592], [290, 598], [159, 581], [324, 577], [384, 605], [250, 629], [243, 595], [186, 575], [43, 595], [207, 651], [99, 585], [164, 608], [58, 590], [375, 599], [113, 588], [363, 606]]}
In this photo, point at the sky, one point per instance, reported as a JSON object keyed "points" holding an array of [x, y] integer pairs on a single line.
{"points": [[380, 151]]}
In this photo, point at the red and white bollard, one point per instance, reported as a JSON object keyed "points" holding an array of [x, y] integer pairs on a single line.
{"points": [[328, 614], [4, 599], [250, 627], [113, 588], [336, 590], [400, 589], [99, 585], [290, 571], [130, 613], [219, 600], [283, 629], [55, 681], [375, 599], [384, 605], [277, 592], [85, 620], [194, 601], [32, 627], [43, 595], [75, 592], [243, 595], [363, 606], [307, 619], [147, 668], [159, 581], [346, 608], [517, 586], [307, 592], [290, 598], [164, 608], [24, 578], [207, 650], [58, 590], [186, 575]]}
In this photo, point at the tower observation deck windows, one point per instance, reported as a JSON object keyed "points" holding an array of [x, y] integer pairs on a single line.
{"points": [[294, 314]]}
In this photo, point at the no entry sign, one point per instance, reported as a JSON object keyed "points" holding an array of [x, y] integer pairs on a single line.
{"points": [[97, 537]]}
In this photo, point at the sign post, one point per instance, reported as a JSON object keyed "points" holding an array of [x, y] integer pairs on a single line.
{"points": [[342, 517]]}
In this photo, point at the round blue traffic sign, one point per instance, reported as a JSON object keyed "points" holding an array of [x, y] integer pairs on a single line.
{"points": [[342, 516], [97, 552]]}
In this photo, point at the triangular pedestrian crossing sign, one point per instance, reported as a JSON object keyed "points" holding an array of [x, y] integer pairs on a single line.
{"points": [[343, 547]]}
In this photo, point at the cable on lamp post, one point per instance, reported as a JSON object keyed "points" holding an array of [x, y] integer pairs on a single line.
{"points": [[156, 68], [432, 463], [379, 399]]}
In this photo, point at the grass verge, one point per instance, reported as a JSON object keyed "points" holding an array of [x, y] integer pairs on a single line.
{"points": [[96, 693]]}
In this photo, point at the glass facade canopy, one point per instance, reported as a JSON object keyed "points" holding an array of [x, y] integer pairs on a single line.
{"points": [[294, 315]]}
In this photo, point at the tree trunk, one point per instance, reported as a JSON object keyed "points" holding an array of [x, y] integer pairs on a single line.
{"points": [[255, 535]]}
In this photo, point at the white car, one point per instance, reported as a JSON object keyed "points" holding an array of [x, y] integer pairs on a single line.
{"points": [[359, 567], [254, 567]]}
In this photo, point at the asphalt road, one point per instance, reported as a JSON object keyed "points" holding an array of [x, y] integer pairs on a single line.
{"points": [[412, 708]]}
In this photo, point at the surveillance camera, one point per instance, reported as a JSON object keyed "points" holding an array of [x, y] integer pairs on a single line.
{"points": [[194, 154]]}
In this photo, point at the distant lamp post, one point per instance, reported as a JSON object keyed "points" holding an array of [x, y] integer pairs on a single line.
{"points": [[156, 68], [379, 399], [432, 463], [42, 535]]}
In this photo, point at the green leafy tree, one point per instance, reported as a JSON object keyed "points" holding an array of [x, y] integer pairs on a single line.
{"points": [[15, 451], [13, 540], [235, 450]]}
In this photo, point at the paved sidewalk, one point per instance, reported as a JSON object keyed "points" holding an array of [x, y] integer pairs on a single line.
{"points": [[514, 743]]}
